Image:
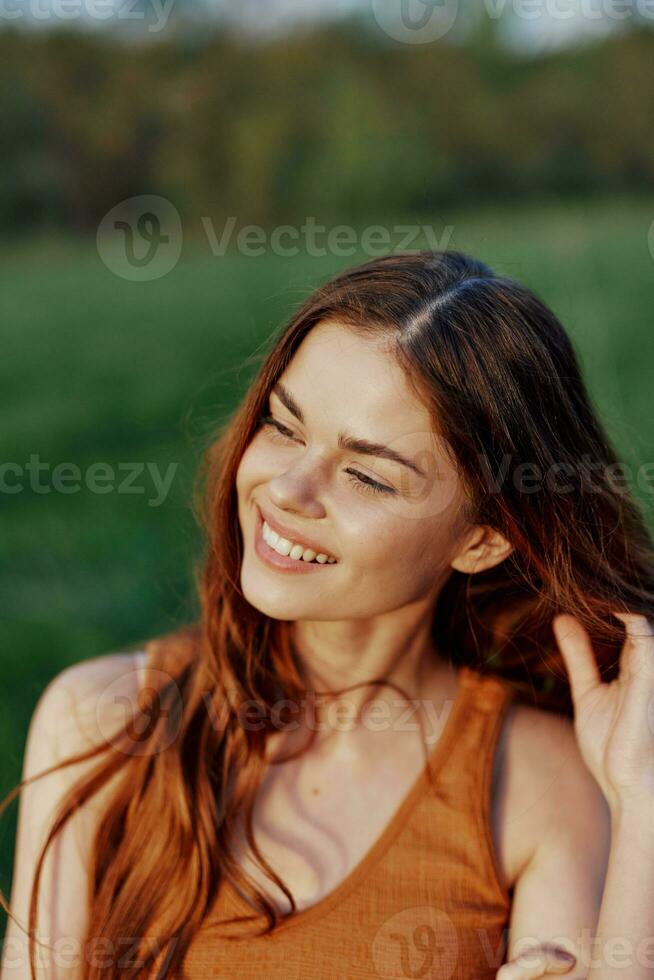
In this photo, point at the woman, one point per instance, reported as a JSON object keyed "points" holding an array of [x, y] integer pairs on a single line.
{"points": [[414, 507]]}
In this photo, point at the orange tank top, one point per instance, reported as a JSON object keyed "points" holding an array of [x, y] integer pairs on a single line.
{"points": [[427, 899]]}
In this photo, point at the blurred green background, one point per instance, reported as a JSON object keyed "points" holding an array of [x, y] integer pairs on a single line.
{"points": [[540, 163]]}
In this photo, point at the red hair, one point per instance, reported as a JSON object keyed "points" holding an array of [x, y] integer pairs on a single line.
{"points": [[501, 379]]}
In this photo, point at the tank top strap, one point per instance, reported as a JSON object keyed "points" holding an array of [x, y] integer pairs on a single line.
{"points": [[468, 766], [460, 817], [490, 694]]}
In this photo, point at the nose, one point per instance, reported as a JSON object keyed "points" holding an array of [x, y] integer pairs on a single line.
{"points": [[298, 490]]}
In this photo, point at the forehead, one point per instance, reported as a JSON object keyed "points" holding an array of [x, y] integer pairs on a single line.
{"points": [[352, 390], [339, 374], [349, 390]]}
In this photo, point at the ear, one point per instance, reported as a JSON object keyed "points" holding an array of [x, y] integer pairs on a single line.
{"points": [[482, 548]]}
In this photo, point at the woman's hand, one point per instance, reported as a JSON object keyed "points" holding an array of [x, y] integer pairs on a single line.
{"points": [[614, 722], [538, 961]]}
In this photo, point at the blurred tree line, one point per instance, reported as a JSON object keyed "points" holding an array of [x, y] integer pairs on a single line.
{"points": [[331, 123]]}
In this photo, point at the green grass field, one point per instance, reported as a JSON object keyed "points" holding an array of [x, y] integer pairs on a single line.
{"points": [[95, 368]]}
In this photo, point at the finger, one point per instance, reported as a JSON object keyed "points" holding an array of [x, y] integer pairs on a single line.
{"points": [[537, 962], [578, 655], [637, 657]]}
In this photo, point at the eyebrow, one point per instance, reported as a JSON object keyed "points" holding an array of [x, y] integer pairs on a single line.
{"points": [[345, 441]]}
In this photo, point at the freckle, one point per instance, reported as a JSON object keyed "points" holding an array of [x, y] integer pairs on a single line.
{"points": [[315, 790]]}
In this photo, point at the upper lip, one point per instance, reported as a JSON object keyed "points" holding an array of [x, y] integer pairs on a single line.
{"points": [[286, 532]]}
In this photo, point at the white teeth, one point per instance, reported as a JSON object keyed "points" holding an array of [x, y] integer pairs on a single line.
{"points": [[296, 551]]}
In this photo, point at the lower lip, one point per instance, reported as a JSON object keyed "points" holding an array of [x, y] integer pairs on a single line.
{"points": [[281, 562]]}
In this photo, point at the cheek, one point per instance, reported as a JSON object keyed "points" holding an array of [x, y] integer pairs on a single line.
{"points": [[243, 471], [254, 468], [417, 546], [377, 535]]}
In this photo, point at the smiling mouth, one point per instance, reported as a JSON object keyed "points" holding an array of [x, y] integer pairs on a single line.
{"points": [[290, 549], [293, 560]]}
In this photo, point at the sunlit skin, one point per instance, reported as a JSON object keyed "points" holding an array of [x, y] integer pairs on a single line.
{"points": [[369, 614]]}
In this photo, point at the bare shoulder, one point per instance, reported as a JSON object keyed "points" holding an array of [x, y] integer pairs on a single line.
{"points": [[76, 684], [80, 707], [542, 787], [85, 702]]}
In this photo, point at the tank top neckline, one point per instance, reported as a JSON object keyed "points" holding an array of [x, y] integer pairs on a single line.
{"points": [[468, 679]]}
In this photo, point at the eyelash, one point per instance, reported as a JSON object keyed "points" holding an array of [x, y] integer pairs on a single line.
{"points": [[358, 480]]}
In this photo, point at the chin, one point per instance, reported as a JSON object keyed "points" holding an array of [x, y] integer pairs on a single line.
{"points": [[270, 598]]}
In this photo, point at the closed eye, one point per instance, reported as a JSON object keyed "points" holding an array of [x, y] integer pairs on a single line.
{"points": [[359, 480]]}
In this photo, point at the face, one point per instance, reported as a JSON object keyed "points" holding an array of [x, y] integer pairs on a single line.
{"points": [[392, 521]]}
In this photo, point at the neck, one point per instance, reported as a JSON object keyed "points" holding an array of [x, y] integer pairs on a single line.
{"points": [[339, 655]]}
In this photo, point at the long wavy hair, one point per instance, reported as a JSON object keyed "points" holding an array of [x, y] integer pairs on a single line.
{"points": [[502, 382]]}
